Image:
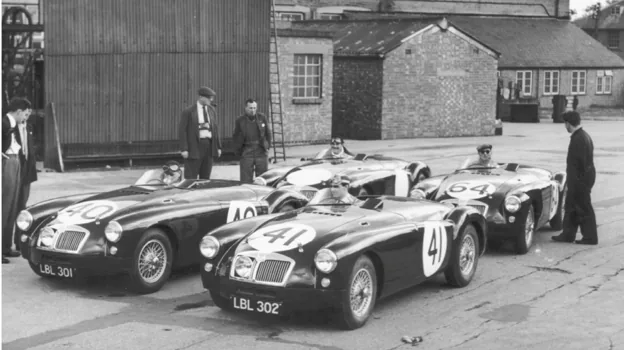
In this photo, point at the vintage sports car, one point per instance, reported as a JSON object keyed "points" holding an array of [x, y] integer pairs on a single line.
{"points": [[143, 230], [368, 174], [339, 252], [516, 199]]}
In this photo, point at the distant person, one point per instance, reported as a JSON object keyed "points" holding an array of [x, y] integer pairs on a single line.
{"points": [[484, 153], [18, 110], [199, 136], [581, 176], [252, 142], [28, 166], [336, 150]]}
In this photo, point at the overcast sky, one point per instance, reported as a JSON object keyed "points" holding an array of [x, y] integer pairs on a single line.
{"points": [[581, 5]]}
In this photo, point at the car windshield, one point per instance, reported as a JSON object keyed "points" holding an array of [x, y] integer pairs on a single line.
{"points": [[327, 154], [333, 196], [476, 163], [158, 177]]}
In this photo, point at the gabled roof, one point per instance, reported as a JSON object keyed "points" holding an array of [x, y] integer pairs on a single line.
{"points": [[370, 37], [606, 19], [538, 42]]}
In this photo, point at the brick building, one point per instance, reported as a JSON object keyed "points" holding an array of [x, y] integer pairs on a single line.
{"points": [[306, 76], [608, 28], [404, 78]]}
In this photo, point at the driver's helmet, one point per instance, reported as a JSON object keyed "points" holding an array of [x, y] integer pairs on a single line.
{"points": [[172, 172]]}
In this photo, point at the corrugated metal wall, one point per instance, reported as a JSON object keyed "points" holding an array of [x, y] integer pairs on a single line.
{"points": [[121, 71]]}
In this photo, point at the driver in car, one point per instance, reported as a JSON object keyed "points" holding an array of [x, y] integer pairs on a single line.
{"points": [[485, 157], [172, 173], [336, 150]]}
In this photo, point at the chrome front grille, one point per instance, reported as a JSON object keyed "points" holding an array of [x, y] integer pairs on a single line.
{"points": [[272, 271], [70, 241]]}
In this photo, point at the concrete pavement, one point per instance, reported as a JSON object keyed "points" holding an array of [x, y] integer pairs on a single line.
{"points": [[558, 296]]}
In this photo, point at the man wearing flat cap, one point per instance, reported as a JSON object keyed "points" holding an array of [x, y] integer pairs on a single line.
{"points": [[485, 157], [199, 136], [580, 177], [252, 141]]}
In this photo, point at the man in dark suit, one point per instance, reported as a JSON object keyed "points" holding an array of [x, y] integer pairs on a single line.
{"points": [[581, 176], [18, 110], [28, 167], [199, 136], [252, 142]]}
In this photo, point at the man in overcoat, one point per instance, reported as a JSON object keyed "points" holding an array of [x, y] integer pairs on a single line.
{"points": [[252, 142]]}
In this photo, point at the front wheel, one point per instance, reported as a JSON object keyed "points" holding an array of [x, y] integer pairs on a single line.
{"points": [[151, 265], [524, 240], [556, 223], [359, 298], [465, 258]]}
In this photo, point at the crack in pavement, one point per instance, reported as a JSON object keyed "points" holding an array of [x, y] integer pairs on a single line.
{"points": [[472, 290], [553, 289], [550, 269], [478, 306], [607, 279], [522, 276], [483, 332], [284, 341]]}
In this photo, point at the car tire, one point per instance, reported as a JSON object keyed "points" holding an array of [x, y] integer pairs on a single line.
{"points": [[149, 273], [556, 223], [524, 240], [220, 302], [362, 281], [464, 258]]}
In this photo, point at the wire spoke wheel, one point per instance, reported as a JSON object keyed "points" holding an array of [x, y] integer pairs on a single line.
{"points": [[467, 254], [361, 293], [152, 261], [529, 228]]}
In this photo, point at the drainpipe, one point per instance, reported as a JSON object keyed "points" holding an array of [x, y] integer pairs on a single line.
{"points": [[557, 8]]}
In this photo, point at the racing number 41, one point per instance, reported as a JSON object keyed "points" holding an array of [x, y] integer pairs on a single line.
{"points": [[435, 247]]}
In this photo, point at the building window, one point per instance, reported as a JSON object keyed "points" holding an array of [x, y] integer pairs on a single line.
{"points": [[615, 10], [613, 41], [290, 16], [578, 82], [551, 82], [604, 80], [307, 76], [330, 16], [524, 82]]}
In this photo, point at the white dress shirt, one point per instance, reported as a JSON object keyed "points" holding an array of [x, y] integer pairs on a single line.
{"points": [[203, 133], [15, 147]]}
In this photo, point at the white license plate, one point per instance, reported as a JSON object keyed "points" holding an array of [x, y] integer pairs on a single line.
{"points": [[57, 271], [264, 307]]}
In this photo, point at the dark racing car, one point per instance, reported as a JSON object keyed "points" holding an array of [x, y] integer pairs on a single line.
{"points": [[369, 174], [143, 230], [339, 252], [516, 199]]}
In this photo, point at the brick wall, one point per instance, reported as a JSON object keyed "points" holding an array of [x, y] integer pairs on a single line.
{"points": [[616, 98], [443, 88], [504, 7], [311, 121], [357, 98]]}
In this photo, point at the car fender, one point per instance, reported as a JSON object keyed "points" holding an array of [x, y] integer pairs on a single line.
{"points": [[270, 177], [281, 197], [464, 215], [138, 220], [44, 209]]}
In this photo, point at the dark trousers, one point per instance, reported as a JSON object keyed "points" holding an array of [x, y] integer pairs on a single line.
{"points": [[579, 212], [201, 167], [10, 193], [253, 159], [24, 194]]}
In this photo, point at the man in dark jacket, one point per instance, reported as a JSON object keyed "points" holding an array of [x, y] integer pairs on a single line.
{"points": [[18, 110], [581, 176], [252, 142], [28, 167], [199, 136]]}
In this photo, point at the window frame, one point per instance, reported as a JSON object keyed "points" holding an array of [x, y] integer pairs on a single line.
{"points": [[523, 73], [280, 14], [305, 77], [616, 41], [330, 16], [601, 80], [551, 80], [578, 92]]}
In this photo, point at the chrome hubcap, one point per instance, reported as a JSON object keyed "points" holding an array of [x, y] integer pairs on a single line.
{"points": [[467, 255], [361, 294], [152, 261]]}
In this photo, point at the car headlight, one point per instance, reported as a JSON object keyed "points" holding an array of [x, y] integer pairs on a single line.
{"points": [[209, 247], [325, 260], [46, 237], [113, 231], [417, 193], [24, 220], [260, 181], [243, 266], [512, 204]]}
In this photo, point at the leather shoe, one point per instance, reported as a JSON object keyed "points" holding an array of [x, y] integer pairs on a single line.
{"points": [[5, 260], [586, 241], [561, 238], [12, 254]]}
